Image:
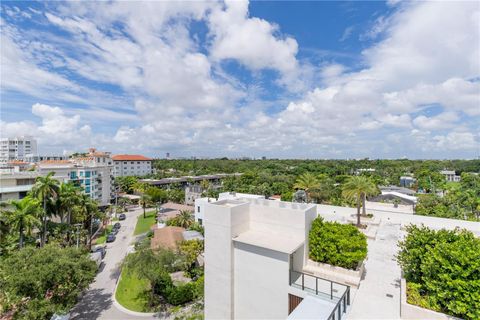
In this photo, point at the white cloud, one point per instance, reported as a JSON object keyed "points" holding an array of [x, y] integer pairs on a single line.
{"points": [[444, 120]]}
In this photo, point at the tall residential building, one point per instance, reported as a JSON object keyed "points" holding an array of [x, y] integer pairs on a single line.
{"points": [[16, 148], [131, 165], [255, 254], [15, 185], [93, 172]]}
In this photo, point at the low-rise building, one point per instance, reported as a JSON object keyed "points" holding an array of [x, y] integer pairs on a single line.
{"points": [[131, 165], [407, 181], [16, 185], [450, 176], [32, 158]]}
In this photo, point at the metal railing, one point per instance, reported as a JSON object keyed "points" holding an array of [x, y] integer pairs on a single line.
{"points": [[328, 289]]}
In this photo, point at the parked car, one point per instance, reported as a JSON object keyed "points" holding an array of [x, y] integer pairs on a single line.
{"points": [[117, 225], [114, 231], [122, 216], [97, 257], [111, 237], [100, 248]]}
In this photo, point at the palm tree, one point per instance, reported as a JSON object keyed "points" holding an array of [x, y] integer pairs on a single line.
{"points": [[88, 208], [307, 182], [45, 189], [23, 216], [357, 188], [144, 201], [68, 197], [205, 185], [184, 219]]}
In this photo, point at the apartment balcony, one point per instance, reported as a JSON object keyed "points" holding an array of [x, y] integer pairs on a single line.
{"points": [[326, 299]]}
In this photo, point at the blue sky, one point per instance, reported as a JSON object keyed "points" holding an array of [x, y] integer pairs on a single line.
{"points": [[277, 79]]}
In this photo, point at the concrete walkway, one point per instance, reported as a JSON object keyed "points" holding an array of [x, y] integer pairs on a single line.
{"points": [[378, 296], [98, 302]]}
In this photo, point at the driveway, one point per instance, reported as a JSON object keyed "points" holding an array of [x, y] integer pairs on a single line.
{"points": [[97, 303]]}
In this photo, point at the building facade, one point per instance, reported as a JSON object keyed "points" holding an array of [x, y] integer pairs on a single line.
{"points": [[255, 252], [17, 148], [92, 172], [16, 185], [450, 176], [131, 165]]}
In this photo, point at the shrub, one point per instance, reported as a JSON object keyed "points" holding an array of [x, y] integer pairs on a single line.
{"points": [[181, 294], [337, 244], [443, 270]]}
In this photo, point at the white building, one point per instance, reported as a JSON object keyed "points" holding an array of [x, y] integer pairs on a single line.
{"points": [[450, 176], [16, 148], [15, 185], [92, 172], [201, 202], [255, 251], [131, 165]]}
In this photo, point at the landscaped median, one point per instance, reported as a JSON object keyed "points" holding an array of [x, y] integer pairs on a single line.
{"points": [[145, 224], [131, 292], [103, 237]]}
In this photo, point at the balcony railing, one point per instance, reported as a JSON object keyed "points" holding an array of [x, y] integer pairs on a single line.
{"points": [[324, 288]]}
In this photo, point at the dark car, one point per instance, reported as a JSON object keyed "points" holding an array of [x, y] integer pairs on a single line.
{"points": [[117, 225], [122, 216], [101, 249], [114, 231], [111, 237]]}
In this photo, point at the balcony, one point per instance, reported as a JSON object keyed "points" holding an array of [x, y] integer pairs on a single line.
{"points": [[336, 293]]}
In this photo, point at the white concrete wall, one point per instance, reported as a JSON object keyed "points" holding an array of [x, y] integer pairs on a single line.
{"points": [[132, 168], [221, 223], [260, 283]]}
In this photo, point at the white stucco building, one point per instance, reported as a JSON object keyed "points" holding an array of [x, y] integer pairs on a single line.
{"points": [[17, 148], [92, 172], [450, 176], [255, 251], [15, 185], [131, 165], [201, 202]]}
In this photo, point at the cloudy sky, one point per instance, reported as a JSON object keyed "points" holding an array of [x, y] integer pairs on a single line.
{"points": [[276, 79]]}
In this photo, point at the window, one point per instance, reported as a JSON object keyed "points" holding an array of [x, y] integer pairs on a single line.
{"points": [[124, 162], [198, 208], [200, 221], [138, 162]]}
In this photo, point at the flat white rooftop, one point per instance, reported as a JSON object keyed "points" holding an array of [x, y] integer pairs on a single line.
{"points": [[272, 241], [312, 308]]}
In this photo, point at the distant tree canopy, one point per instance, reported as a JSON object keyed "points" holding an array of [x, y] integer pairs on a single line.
{"points": [[442, 269]]}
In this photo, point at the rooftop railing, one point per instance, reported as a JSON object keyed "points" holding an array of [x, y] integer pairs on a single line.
{"points": [[330, 290]]}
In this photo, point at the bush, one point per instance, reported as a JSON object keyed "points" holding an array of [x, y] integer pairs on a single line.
{"points": [[180, 294], [337, 244], [442, 269]]}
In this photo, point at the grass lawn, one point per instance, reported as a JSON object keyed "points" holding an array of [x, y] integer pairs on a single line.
{"points": [[103, 237], [130, 292], [143, 225]]}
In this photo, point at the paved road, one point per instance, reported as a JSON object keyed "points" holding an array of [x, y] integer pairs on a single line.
{"points": [[97, 303]]}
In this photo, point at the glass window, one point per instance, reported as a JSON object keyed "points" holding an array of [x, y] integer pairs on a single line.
{"points": [[87, 174], [198, 208]]}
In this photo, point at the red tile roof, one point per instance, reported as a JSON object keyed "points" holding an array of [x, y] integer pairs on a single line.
{"points": [[130, 157]]}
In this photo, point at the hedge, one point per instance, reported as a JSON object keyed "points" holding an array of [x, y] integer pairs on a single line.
{"points": [[442, 269], [341, 245]]}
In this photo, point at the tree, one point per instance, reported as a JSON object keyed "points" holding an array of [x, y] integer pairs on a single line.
{"points": [[205, 185], [145, 200], [127, 184], [45, 189], [184, 219], [357, 188], [68, 197], [37, 282], [307, 182], [23, 217]]}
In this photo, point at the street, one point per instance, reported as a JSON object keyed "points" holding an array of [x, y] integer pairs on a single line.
{"points": [[97, 303]]}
